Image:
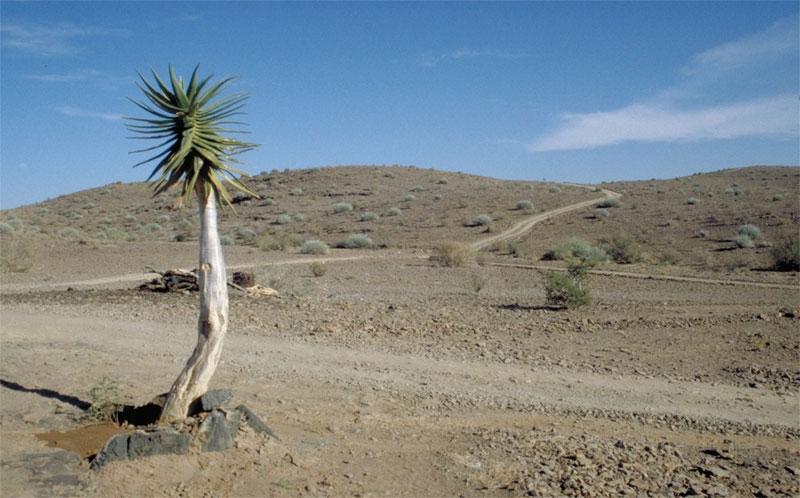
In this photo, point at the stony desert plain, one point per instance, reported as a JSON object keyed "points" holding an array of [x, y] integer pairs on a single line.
{"points": [[385, 371]]}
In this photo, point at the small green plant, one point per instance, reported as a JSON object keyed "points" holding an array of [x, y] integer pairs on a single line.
{"points": [[578, 249], [100, 236], [524, 205], [129, 218], [742, 241], [621, 249], [246, 234], [786, 254], [318, 269], [729, 191], [88, 205], [369, 216], [163, 219], [554, 189], [437, 197], [69, 232], [409, 198], [442, 181], [704, 234], [267, 202], [106, 402], [341, 207], [528, 186], [477, 282], [297, 191], [388, 174], [418, 188], [161, 198], [104, 221], [226, 240], [777, 197], [299, 217], [74, 216], [314, 247], [151, 227], [749, 230], [568, 290], [483, 220], [357, 241], [283, 219], [601, 213], [278, 242], [6, 228], [15, 257], [393, 211], [452, 254], [692, 201], [44, 210], [611, 202], [184, 224]]}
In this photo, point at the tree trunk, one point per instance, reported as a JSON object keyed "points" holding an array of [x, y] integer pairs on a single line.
{"points": [[213, 322]]}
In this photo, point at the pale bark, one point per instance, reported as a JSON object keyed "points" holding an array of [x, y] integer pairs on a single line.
{"points": [[213, 322]]}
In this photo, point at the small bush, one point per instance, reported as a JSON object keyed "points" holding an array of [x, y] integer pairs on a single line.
{"points": [[184, 224], [777, 197], [246, 234], [483, 220], [357, 241], [100, 236], [409, 198], [74, 216], [88, 205], [299, 217], [314, 247], [296, 191], [528, 186], [670, 257], [226, 240], [15, 258], [418, 188], [601, 213], [161, 198], [786, 254], [341, 207], [704, 234], [151, 227], [554, 189], [570, 289], [69, 232], [163, 219], [267, 202], [742, 241], [105, 401], [318, 269], [622, 249], [43, 210], [388, 174], [611, 202], [6, 228], [129, 218], [692, 201], [104, 221], [452, 254], [752, 231], [437, 197], [579, 249], [278, 242], [393, 212], [369, 216], [442, 181], [283, 219], [524, 205]]}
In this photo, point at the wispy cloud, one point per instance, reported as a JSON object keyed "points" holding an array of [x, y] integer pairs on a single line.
{"points": [[48, 39], [464, 53], [84, 75], [84, 113], [670, 118]]}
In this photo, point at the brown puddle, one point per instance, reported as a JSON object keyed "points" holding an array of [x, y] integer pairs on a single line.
{"points": [[86, 441]]}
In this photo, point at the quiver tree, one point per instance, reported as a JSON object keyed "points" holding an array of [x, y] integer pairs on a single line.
{"points": [[190, 123]]}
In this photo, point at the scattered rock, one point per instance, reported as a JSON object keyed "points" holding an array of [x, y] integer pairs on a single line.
{"points": [[216, 432], [213, 400], [158, 441]]}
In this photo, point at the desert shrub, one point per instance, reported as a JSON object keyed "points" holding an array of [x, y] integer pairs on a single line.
{"points": [[184, 224], [163, 219], [786, 254], [388, 174], [104, 221], [315, 169], [777, 197], [670, 257], [729, 191], [525, 205], [278, 242], [749, 230], [299, 217], [611, 202], [409, 198], [737, 192], [318, 269], [226, 240], [69, 232], [442, 181], [106, 401], [129, 218], [314, 247], [418, 188], [452, 254], [357, 241], [6, 228], [601, 213], [341, 207], [554, 189], [283, 219], [151, 227], [704, 233], [296, 191], [483, 220], [392, 212], [261, 187], [74, 216], [621, 249], [742, 241], [34, 229], [88, 205], [692, 201], [246, 233], [579, 249], [528, 186], [267, 202], [161, 198], [43, 210], [15, 257], [14, 222], [369, 216], [477, 282], [568, 289], [437, 197], [100, 236]]}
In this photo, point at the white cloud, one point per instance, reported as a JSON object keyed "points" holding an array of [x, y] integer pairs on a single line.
{"points": [[666, 119], [67, 78], [47, 40], [83, 113], [651, 123], [464, 53]]}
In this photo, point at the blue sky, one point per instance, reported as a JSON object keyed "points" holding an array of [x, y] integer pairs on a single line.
{"points": [[563, 91]]}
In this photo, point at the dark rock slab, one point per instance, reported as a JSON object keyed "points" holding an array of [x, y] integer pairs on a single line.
{"points": [[216, 432], [213, 400], [254, 422], [115, 449], [160, 441]]}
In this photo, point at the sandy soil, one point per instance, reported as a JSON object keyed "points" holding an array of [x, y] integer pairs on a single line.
{"points": [[389, 376]]}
